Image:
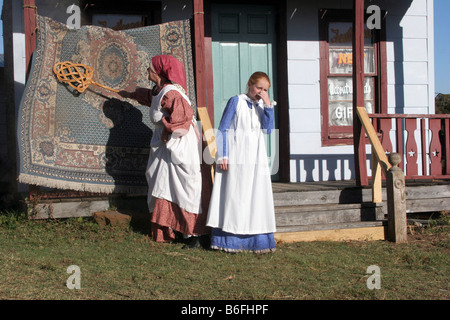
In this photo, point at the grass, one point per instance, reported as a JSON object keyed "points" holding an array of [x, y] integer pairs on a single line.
{"points": [[122, 264]]}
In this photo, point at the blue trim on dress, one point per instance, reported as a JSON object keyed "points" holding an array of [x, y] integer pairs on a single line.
{"points": [[267, 123], [256, 243]]}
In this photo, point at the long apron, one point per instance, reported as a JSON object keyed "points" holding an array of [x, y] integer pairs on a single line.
{"points": [[242, 198], [173, 171]]}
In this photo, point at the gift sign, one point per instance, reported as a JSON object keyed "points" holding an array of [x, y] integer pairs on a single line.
{"points": [[340, 97]]}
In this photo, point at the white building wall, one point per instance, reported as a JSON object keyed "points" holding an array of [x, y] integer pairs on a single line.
{"points": [[410, 60]]}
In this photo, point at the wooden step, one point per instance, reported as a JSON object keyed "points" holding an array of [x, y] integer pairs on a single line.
{"points": [[421, 196], [331, 226], [327, 214], [358, 231], [346, 196]]}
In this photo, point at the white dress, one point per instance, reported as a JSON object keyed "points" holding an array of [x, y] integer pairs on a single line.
{"points": [[242, 198], [173, 171]]}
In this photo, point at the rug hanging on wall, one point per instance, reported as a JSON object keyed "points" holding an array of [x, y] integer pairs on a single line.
{"points": [[93, 141]]}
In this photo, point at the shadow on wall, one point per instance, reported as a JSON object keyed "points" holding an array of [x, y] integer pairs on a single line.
{"points": [[124, 164]]}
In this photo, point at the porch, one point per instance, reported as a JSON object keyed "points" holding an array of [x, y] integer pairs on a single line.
{"points": [[312, 211], [340, 210]]}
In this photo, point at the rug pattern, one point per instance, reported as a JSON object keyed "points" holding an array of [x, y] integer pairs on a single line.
{"points": [[95, 141]]}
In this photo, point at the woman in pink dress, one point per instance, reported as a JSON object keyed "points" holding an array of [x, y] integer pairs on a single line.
{"points": [[173, 172]]}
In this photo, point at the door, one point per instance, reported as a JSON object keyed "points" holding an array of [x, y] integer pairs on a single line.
{"points": [[243, 42]]}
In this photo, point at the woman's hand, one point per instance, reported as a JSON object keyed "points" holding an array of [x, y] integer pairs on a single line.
{"points": [[265, 97], [223, 164], [165, 135]]}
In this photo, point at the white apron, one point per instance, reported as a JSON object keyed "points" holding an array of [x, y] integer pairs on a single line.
{"points": [[242, 198], [173, 170]]}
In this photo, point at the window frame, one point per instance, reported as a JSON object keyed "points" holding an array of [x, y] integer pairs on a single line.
{"points": [[343, 135]]}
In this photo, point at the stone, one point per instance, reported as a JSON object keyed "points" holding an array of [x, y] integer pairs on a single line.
{"points": [[112, 218]]}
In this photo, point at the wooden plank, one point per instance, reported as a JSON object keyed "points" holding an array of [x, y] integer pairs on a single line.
{"points": [[358, 93], [399, 139], [373, 137], [382, 69], [428, 192], [210, 139], [435, 147], [396, 202], [320, 215], [423, 145], [209, 78], [199, 47], [385, 128], [411, 147], [409, 116], [377, 180], [427, 205], [283, 92], [70, 209], [332, 226], [200, 77], [29, 11], [208, 131], [355, 234], [447, 145]]}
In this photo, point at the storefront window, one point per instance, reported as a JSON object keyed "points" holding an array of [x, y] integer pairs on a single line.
{"points": [[336, 75]]}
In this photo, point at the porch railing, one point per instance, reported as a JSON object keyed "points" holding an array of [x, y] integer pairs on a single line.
{"points": [[395, 181], [422, 141], [422, 151]]}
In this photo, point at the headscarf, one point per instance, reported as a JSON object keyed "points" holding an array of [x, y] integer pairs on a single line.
{"points": [[170, 68]]}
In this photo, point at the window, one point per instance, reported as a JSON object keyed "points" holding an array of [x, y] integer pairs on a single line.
{"points": [[336, 65]]}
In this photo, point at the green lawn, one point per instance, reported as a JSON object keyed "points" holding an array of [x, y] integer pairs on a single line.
{"points": [[122, 264]]}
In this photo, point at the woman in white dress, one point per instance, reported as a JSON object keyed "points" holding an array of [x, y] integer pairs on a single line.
{"points": [[241, 210], [173, 172]]}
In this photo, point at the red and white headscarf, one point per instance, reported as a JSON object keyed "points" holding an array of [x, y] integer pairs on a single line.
{"points": [[170, 68]]}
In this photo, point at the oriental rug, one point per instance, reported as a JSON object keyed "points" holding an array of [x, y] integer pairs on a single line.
{"points": [[93, 141]]}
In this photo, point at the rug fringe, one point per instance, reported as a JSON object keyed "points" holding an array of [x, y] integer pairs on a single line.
{"points": [[80, 186]]}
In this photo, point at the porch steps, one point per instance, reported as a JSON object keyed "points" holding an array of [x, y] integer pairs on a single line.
{"points": [[336, 211], [336, 214], [329, 211]]}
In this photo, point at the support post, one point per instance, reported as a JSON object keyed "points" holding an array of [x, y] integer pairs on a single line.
{"points": [[29, 12], [377, 183], [358, 93], [200, 74], [199, 38], [396, 201]]}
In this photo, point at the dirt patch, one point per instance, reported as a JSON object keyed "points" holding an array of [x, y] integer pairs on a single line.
{"points": [[435, 236]]}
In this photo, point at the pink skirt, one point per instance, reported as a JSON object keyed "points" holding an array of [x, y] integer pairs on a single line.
{"points": [[168, 217]]}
